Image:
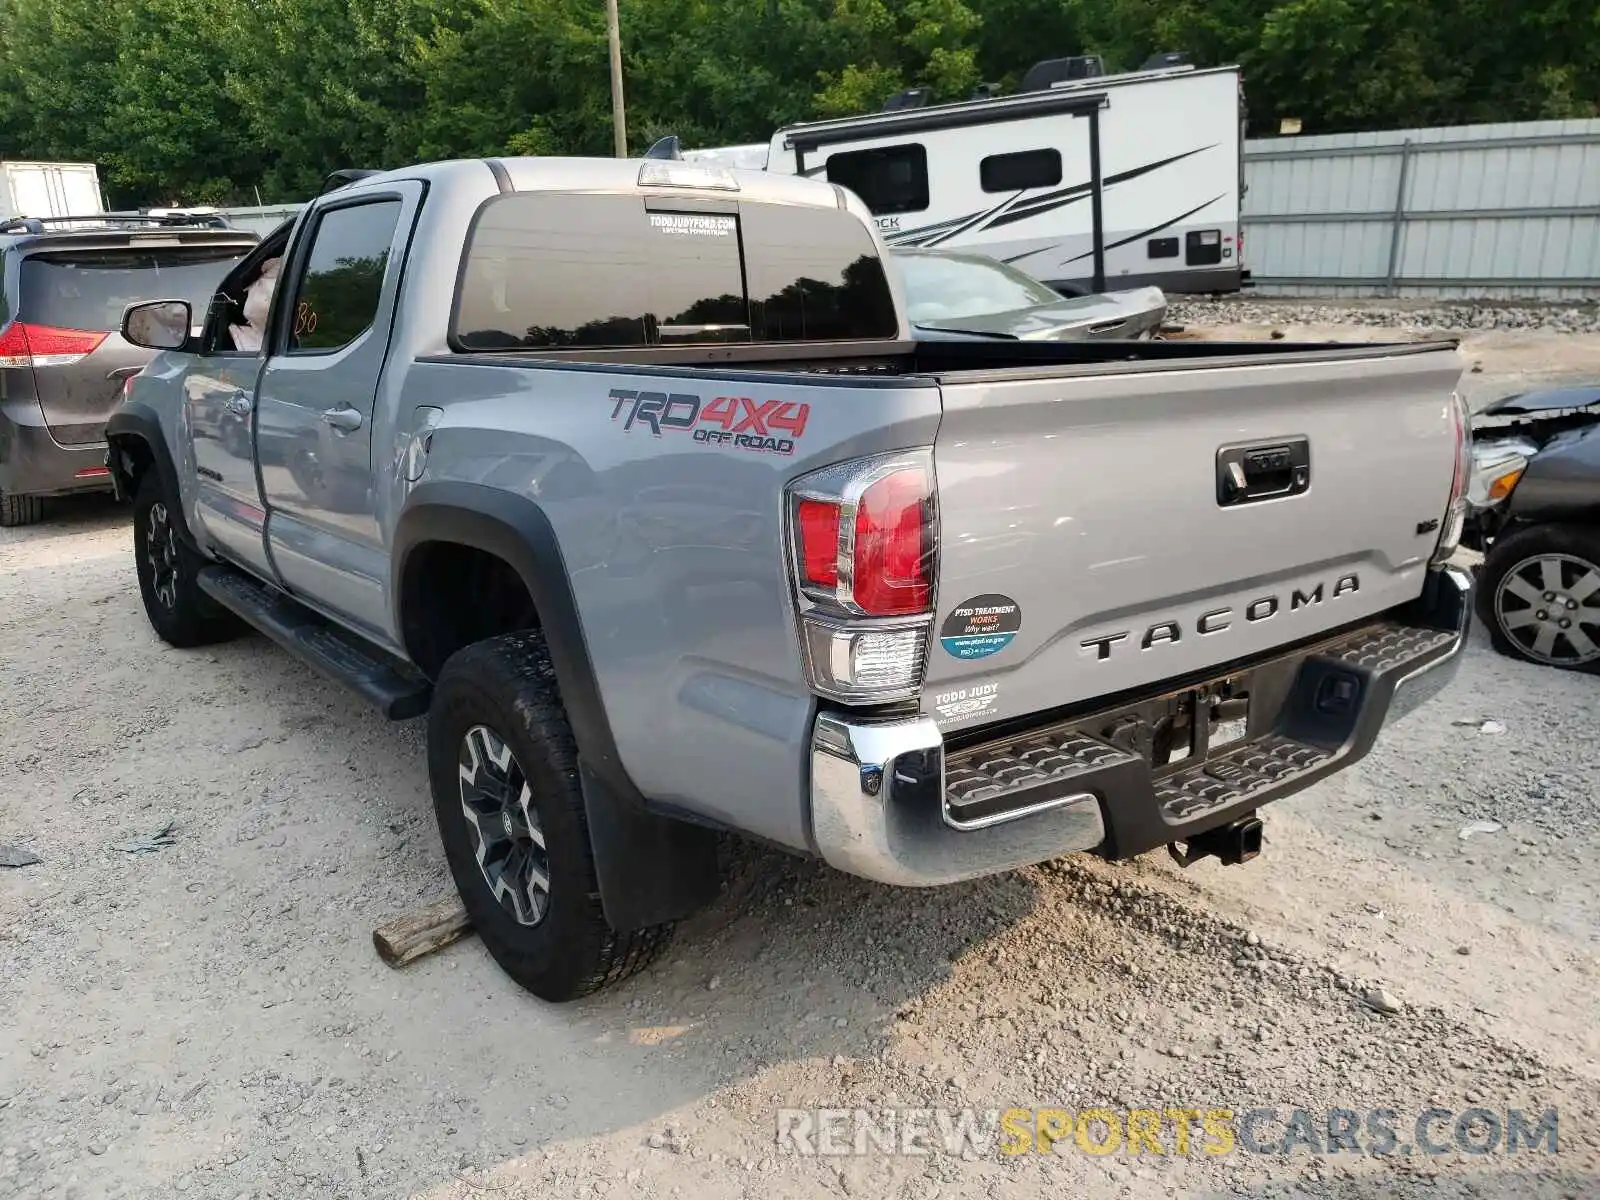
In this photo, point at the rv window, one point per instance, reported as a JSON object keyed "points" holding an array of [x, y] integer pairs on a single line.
{"points": [[889, 179], [814, 275], [1016, 172]]}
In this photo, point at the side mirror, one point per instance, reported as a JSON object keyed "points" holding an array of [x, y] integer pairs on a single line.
{"points": [[157, 324]]}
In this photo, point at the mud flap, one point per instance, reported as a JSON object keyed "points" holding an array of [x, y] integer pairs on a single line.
{"points": [[652, 869]]}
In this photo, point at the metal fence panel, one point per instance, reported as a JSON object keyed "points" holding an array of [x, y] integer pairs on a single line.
{"points": [[1473, 210]]}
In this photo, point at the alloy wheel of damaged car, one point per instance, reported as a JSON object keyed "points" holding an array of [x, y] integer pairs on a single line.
{"points": [[1548, 605], [498, 806]]}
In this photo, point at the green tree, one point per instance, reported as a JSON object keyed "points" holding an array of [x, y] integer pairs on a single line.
{"points": [[59, 60], [325, 84], [173, 134], [526, 76], [882, 46], [197, 100]]}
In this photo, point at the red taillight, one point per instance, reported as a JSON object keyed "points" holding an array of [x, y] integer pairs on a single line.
{"points": [[864, 548], [863, 536], [14, 346], [890, 576], [23, 345], [818, 525]]}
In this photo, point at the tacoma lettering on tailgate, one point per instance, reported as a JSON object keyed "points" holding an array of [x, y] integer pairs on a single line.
{"points": [[1220, 620]]}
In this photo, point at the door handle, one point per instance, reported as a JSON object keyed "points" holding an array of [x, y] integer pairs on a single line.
{"points": [[344, 419], [239, 404]]}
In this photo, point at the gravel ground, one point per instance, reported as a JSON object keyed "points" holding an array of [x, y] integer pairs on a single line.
{"points": [[209, 1019], [1508, 348], [1410, 316]]}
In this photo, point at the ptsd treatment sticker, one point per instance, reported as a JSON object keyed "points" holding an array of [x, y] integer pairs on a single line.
{"points": [[980, 627]]}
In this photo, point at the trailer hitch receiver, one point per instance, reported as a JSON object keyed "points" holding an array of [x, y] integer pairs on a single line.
{"points": [[1234, 843]]}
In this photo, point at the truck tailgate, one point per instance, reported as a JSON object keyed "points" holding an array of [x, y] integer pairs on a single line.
{"points": [[1094, 537]]}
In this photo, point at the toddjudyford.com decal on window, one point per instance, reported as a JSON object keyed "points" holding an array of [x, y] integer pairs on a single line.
{"points": [[692, 224]]}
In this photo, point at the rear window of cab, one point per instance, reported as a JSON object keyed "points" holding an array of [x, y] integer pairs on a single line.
{"points": [[568, 271]]}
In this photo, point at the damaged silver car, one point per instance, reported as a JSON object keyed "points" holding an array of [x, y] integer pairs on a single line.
{"points": [[1533, 508], [951, 294]]}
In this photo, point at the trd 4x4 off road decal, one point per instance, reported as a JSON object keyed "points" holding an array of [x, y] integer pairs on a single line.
{"points": [[738, 421]]}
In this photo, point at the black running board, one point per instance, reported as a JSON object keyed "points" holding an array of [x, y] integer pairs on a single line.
{"points": [[342, 656]]}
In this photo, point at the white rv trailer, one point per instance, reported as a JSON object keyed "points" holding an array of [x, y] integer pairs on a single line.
{"points": [[1097, 184]]}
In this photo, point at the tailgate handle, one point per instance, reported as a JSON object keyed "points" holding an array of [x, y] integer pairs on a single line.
{"points": [[1263, 471]]}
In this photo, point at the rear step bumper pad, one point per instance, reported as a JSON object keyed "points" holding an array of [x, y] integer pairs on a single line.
{"points": [[890, 802]]}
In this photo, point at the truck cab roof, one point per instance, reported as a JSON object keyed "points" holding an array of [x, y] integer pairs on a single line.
{"points": [[612, 175]]}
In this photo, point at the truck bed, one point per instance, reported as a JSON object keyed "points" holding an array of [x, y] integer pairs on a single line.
{"points": [[937, 359], [1083, 485]]}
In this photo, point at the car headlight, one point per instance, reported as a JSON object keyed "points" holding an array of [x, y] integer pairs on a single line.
{"points": [[1496, 468]]}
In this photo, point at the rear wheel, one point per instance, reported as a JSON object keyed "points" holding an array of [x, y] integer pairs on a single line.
{"points": [[1539, 596], [504, 771], [168, 569], [20, 510]]}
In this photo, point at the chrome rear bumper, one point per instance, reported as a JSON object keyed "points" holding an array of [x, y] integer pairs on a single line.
{"points": [[884, 794], [877, 810]]}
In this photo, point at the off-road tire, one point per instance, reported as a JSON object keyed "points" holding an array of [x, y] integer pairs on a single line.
{"points": [[1513, 551], [20, 510], [180, 613], [508, 685]]}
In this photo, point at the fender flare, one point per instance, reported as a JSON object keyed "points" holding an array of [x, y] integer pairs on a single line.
{"points": [[652, 868], [515, 530], [138, 423]]}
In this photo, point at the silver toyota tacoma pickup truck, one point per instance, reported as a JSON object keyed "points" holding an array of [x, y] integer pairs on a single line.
{"points": [[630, 476]]}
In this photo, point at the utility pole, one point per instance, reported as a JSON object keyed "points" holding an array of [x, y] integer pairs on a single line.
{"points": [[619, 122]]}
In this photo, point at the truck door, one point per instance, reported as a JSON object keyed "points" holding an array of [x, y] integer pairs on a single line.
{"points": [[219, 392], [218, 398], [335, 308]]}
